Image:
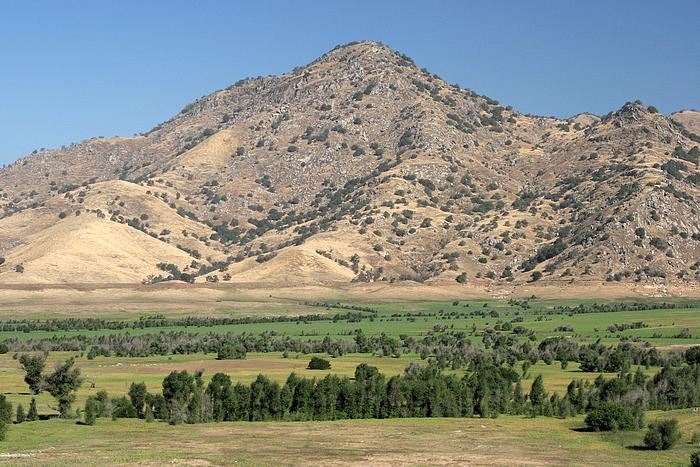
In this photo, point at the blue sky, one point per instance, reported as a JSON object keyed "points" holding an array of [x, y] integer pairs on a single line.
{"points": [[70, 70]]}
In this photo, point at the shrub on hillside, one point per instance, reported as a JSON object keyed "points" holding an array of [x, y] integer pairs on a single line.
{"points": [[662, 435], [609, 416]]}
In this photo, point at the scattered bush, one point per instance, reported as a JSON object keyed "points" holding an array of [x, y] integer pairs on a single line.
{"points": [[662, 435], [318, 363]]}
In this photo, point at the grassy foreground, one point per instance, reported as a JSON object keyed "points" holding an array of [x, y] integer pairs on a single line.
{"points": [[507, 440]]}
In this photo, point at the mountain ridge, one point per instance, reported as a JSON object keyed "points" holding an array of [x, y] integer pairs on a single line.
{"points": [[362, 167]]}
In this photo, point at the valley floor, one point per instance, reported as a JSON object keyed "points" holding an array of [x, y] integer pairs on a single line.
{"points": [[117, 301]]}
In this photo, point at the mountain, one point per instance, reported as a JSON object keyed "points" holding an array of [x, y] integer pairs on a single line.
{"points": [[361, 167]]}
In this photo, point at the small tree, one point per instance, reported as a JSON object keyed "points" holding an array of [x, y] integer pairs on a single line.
{"points": [[662, 435], [92, 410], [5, 416], [5, 409], [33, 366], [63, 383], [20, 417], [32, 415], [318, 363], [148, 414]]}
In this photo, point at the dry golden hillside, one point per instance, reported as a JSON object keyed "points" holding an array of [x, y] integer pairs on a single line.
{"points": [[690, 119], [362, 167]]}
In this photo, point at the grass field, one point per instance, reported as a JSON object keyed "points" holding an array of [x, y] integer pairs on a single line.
{"points": [[662, 325], [507, 440]]}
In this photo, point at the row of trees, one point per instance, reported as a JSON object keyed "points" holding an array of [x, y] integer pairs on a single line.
{"points": [[611, 404], [356, 313], [419, 392], [447, 348]]}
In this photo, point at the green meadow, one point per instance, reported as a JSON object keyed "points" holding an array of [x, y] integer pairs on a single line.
{"points": [[505, 440]]}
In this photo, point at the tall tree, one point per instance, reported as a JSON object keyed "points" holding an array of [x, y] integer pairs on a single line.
{"points": [[138, 395], [32, 415], [63, 383], [537, 396]]}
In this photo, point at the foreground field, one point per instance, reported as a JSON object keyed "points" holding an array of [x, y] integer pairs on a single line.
{"points": [[507, 440]]}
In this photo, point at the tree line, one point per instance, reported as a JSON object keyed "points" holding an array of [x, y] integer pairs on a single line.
{"points": [[447, 348], [421, 391], [160, 321]]}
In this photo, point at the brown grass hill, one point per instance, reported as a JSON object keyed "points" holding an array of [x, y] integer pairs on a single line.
{"points": [[361, 167], [689, 119]]}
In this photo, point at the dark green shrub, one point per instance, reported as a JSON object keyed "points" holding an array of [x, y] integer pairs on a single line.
{"points": [[318, 363], [609, 416], [230, 351], [695, 459], [662, 435], [20, 416], [692, 355]]}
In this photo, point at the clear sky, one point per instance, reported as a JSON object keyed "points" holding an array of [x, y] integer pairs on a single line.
{"points": [[71, 70]]}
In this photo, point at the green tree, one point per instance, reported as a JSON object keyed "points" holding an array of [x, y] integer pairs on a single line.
{"points": [[537, 396], [33, 366], [92, 410], [5, 416], [138, 395], [62, 385], [178, 389], [5, 409], [662, 435], [20, 416], [32, 415]]}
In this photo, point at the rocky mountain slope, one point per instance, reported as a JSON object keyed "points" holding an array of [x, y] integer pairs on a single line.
{"points": [[360, 167]]}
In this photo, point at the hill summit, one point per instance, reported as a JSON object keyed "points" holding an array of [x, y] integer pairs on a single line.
{"points": [[363, 167]]}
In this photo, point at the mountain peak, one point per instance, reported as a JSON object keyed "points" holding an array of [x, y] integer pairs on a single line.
{"points": [[362, 167], [364, 51]]}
